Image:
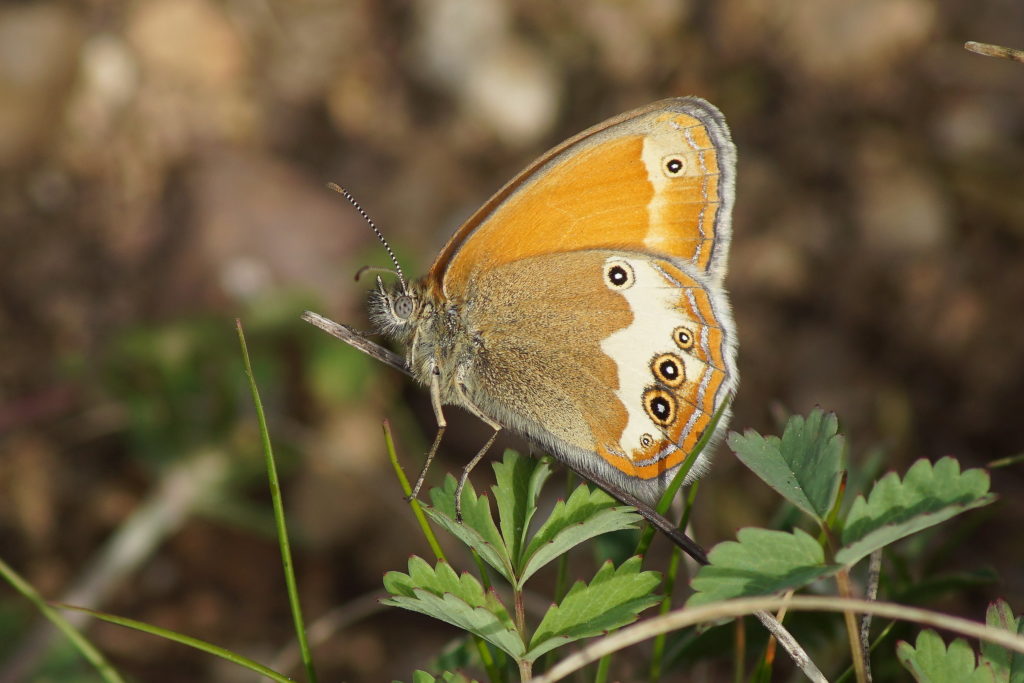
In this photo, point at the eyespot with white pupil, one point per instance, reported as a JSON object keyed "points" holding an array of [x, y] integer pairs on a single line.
{"points": [[646, 440], [660, 406], [683, 338], [669, 370], [403, 306], [673, 166], [618, 275]]}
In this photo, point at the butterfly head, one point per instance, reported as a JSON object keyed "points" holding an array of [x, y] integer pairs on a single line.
{"points": [[396, 310]]}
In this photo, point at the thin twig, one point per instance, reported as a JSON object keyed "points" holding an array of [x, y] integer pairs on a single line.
{"points": [[874, 572], [727, 609], [990, 50]]}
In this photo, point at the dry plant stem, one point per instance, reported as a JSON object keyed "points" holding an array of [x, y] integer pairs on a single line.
{"points": [[740, 650], [856, 651], [681, 618], [769, 650], [180, 491], [353, 338], [990, 50], [874, 572], [795, 651]]}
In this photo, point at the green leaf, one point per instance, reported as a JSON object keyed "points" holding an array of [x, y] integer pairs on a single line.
{"points": [[477, 529], [518, 481], [895, 509], [612, 599], [803, 466], [587, 513], [440, 580], [458, 600], [760, 562], [1008, 666], [930, 662]]}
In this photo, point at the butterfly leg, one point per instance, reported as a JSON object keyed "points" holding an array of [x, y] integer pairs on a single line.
{"points": [[442, 424], [480, 454]]}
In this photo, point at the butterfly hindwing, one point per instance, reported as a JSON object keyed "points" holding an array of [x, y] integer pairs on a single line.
{"points": [[612, 360]]}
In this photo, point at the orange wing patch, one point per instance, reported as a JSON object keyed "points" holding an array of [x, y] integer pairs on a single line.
{"points": [[649, 181], [594, 198]]}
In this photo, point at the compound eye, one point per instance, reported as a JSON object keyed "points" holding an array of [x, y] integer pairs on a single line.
{"points": [[403, 306]]}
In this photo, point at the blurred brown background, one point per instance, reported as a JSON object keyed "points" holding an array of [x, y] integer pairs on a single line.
{"points": [[162, 170]]}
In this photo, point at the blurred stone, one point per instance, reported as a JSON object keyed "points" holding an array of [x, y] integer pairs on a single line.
{"points": [[38, 48], [901, 208], [971, 126], [337, 494], [832, 39], [628, 35], [28, 487], [363, 104], [108, 80], [770, 264], [190, 41], [312, 42], [512, 91], [261, 225], [505, 86]]}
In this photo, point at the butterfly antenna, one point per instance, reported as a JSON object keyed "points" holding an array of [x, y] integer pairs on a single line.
{"points": [[373, 226]]}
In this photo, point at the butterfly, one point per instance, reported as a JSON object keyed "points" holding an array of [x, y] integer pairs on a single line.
{"points": [[583, 306]]}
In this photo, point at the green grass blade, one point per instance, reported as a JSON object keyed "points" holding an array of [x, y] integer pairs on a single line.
{"points": [[647, 535], [184, 640], [279, 518], [403, 481], [79, 641]]}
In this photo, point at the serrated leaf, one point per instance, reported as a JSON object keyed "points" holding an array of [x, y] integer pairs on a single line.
{"points": [[612, 599], [759, 562], [930, 662], [894, 509], [518, 481], [476, 620], [1008, 666], [803, 466], [587, 513], [477, 529], [461, 601], [442, 579]]}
